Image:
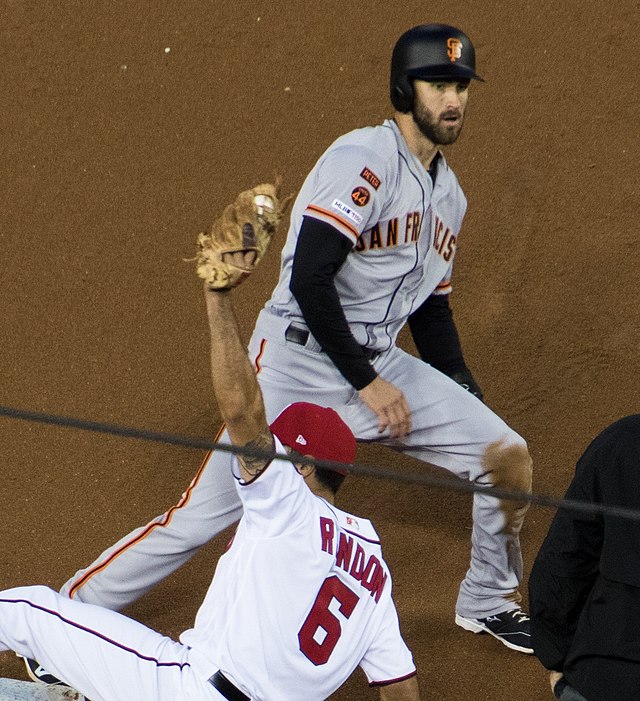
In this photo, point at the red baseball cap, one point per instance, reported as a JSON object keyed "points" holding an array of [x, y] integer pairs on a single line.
{"points": [[317, 431]]}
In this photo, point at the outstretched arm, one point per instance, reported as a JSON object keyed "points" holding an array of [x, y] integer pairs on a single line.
{"points": [[226, 256], [234, 383]]}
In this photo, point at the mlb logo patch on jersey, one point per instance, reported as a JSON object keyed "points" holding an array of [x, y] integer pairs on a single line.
{"points": [[353, 523], [360, 196], [347, 211], [371, 178]]}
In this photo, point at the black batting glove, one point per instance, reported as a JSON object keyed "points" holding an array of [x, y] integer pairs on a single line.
{"points": [[465, 379]]}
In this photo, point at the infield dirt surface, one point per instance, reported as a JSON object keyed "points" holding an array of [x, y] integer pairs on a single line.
{"points": [[125, 130]]}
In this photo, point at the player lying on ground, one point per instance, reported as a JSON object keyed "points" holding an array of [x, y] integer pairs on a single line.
{"points": [[300, 599]]}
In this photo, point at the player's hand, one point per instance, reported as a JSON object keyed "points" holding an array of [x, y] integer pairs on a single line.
{"points": [[554, 678], [390, 406], [245, 260]]}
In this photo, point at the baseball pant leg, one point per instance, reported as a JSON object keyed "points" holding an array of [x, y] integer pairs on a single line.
{"points": [[288, 372], [454, 430], [102, 654], [147, 555]]}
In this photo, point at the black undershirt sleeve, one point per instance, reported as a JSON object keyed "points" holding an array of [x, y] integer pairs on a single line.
{"points": [[436, 336], [320, 252]]}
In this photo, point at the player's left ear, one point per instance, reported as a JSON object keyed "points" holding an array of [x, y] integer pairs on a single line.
{"points": [[305, 469]]}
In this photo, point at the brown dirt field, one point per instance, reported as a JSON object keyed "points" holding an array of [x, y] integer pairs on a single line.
{"points": [[115, 153]]}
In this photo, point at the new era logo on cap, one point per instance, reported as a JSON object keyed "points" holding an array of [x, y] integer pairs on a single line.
{"points": [[300, 440]]}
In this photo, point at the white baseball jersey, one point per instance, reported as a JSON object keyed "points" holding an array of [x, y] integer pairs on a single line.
{"points": [[301, 597], [372, 189]]}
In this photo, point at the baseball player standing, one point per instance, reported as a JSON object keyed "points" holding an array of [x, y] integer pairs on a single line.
{"points": [[371, 246], [299, 600]]}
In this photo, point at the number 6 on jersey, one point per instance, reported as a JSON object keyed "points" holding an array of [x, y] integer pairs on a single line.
{"points": [[320, 617]]}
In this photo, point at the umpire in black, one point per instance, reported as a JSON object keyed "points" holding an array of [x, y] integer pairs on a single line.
{"points": [[584, 588]]}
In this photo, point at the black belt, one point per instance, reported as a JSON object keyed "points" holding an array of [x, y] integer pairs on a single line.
{"points": [[301, 336], [226, 688], [295, 335]]}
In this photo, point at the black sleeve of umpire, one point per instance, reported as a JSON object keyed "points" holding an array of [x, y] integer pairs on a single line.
{"points": [[320, 253], [436, 336], [567, 566]]}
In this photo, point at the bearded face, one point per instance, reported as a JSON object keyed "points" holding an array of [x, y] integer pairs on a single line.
{"points": [[438, 110]]}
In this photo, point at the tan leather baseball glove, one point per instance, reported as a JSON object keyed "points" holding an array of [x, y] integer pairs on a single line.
{"points": [[244, 226]]}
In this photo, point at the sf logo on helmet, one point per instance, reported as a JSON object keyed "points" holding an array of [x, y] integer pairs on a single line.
{"points": [[454, 49]]}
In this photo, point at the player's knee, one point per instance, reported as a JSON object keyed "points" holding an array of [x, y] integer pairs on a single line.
{"points": [[508, 464]]}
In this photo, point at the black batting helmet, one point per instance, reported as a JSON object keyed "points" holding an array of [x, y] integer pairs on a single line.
{"points": [[430, 52]]}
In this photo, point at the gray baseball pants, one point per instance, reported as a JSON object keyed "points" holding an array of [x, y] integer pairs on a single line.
{"points": [[451, 429]]}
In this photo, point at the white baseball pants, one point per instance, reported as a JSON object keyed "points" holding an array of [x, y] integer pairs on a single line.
{"points": [[102, 654]]}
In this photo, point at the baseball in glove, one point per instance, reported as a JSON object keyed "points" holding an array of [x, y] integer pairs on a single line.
{"points": [[223, 258]]}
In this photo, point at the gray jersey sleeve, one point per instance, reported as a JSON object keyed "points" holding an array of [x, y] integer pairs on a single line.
{"points": [[342, 193]]}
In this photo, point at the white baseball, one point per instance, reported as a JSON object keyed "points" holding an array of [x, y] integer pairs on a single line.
{"points": [[263, 202]]}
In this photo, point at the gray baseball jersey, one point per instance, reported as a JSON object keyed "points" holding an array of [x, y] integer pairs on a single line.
{"points": [[404, 230]]}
